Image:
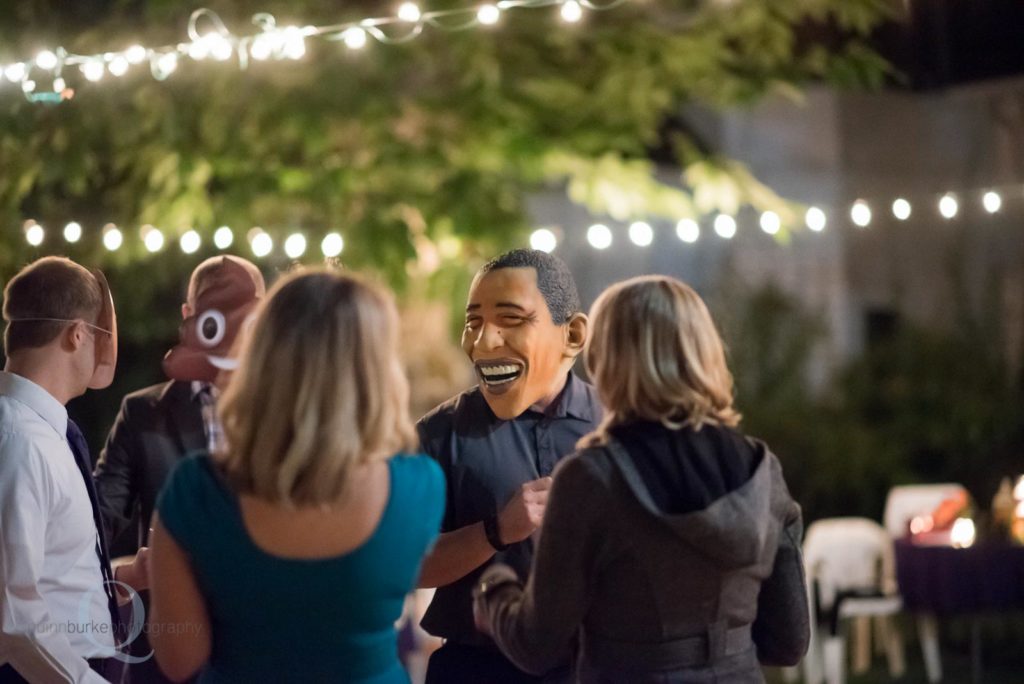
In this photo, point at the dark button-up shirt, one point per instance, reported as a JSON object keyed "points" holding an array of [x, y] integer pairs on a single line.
{"points": [[485, 460]]}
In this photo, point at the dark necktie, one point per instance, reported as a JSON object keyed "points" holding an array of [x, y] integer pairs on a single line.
{"points": [[81, 451]]}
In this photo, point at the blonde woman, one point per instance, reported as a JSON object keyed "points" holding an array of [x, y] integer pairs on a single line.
{"points": [[670, 545], [288, 556]]}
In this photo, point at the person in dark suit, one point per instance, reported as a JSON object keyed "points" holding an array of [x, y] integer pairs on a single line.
{"points": [[158, 426]]}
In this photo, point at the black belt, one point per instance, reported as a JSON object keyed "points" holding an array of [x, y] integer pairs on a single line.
{"points": [[693, 651]]}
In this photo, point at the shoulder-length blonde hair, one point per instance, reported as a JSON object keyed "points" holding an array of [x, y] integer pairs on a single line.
{"points": [[319, 391], [654, 354]]}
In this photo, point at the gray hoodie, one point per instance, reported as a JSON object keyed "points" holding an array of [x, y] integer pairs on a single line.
{"points": [[647, 595]]}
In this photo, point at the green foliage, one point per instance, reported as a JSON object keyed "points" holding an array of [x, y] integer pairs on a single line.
{"points": [[921, 406], [442, 136]]}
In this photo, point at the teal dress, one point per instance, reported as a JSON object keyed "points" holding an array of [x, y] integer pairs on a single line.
{"points": [[275, 619]]}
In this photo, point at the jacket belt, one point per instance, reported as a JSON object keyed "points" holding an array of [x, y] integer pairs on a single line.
{"points": [[693, 651]]}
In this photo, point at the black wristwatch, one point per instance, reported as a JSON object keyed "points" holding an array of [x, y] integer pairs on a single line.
{"points": [[493, 534]]}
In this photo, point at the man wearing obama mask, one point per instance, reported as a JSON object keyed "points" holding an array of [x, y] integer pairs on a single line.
{"points": [[498, 444]]}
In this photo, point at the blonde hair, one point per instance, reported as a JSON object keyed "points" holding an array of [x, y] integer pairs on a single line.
{"points": [[319, 391], [654, 354]]}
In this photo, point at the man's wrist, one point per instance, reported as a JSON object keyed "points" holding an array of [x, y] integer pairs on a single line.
{"points": [[492, 530]]}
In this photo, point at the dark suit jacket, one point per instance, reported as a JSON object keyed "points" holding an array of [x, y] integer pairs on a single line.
{"points": [[157, 427]]}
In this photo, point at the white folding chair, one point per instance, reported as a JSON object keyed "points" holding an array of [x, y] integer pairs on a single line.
{"points": [[850, 574], [902, 505]]}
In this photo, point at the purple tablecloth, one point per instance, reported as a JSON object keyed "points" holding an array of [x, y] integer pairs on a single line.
{"points": [[940, 579]]}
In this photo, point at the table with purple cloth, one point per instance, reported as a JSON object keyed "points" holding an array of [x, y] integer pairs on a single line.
{"points": [[984, 578], [978, 580]]}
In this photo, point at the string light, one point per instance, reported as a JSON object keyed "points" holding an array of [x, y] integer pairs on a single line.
{"points": [[260, 242], [136, 54], [46, 60], [599, 236], [223, 237], [815, 219], [93, 70], [901, 209], [725, 226], [34, 233], [295, 245], [688, 230], [571, 11], [488, 15], [948, 206], [15, 72], [190, 242], [992, 201], [112, 237], [408, 11], [73, 232], [543, 240], [152, 238], [860, 214], [59, 84], [332, 245], [287, 42], [118, 66], [770, 222], [355, 38], [641, 233]]}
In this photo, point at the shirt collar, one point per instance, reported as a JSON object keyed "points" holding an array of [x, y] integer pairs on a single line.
{"points": [[198, 387], [573, 401], [36, 398]]}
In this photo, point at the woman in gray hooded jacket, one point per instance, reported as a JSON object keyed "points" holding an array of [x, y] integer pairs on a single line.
{"points": [[670, 548]]}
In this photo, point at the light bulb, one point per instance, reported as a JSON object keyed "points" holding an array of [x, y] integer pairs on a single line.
{"points": [[948, 206], [725, 226], [190, 242], [641, 233], [262, 46], [136, 54], [901, 209], [15, 72], [355, 38], [73, 232], [992, 201], [295, 245], [119, 66], [167, 63], [46, 60], [262, 244], [599, 236], [571, 11], [93, 70], [688, 230], [59, 84], [770, 222], [488, 15], [220, 47], [223, 237], [34, 234], [112, 237], [294, 43], [332, 245], [860, 213], [815, 219], [408, 11], [152, 239], [544, 240]]}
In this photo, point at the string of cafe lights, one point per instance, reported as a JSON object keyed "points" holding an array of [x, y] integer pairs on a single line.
{"points": [[816, 219], [210, 39], [261, 243]]}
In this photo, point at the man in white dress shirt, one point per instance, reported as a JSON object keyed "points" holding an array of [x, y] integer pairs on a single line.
{"points": [[56, 593]]}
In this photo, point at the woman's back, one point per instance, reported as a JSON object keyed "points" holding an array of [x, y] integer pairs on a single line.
{"points": [[281, 611], [664, 545]]}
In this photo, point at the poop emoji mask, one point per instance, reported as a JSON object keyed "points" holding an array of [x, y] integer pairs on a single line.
{"points": [[224, 303]]}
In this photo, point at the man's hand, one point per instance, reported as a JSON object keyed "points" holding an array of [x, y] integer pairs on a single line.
{"points": [[136, 573], [525, 511]]}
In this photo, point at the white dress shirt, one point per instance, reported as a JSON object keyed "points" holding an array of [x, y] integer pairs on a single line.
{"points": [[53, 610]]}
